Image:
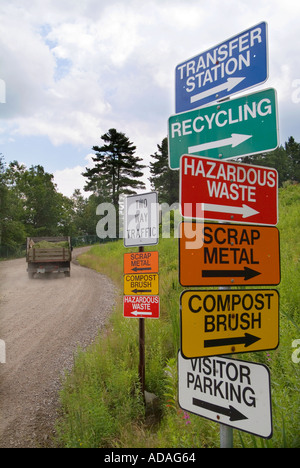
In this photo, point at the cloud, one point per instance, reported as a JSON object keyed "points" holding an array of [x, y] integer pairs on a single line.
{"points": [[105, 76], [26, 66], [69, 179]]}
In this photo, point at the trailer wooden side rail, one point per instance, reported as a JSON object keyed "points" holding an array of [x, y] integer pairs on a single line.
{"points": [[45, 255]]}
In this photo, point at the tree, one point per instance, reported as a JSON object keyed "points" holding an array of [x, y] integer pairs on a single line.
{"points": [[3, 197], [12, 230], [35, 202], [43, 206], [164, 180], [286, 160], [117, 170], [293, 153], [84, 210]]}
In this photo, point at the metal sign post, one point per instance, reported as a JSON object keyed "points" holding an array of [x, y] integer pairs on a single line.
{"points": [[142, 348], [141, 227], [142, 353], [226, 436]]}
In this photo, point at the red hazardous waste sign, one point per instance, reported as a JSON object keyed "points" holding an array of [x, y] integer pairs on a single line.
{"points": [[141, 306], [228, 191]]}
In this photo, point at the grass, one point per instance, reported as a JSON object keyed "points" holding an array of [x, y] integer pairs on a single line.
{"points": [[101, 403]]}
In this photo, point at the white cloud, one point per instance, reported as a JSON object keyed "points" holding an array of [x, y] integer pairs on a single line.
{"points": [[69, 179], [26, 66]]}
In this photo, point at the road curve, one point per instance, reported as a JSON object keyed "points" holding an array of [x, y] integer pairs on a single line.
{"points": [[42, 322]]}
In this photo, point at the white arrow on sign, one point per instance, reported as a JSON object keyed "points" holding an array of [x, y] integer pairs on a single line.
{"points": [[235, 140], [245, 210], [136, 313], [228, 85]]}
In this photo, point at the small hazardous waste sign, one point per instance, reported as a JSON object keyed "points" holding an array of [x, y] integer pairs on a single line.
{"points": [[228, 191], [228, 322], [139, 262], [141, 306], [214, 255], [141, 284], [228, 391]]}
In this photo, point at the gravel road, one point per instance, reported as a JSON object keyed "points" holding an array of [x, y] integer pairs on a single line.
{"points": [[42, 322]]}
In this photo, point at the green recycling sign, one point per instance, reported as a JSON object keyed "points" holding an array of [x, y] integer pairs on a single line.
{"points": [[234, 128]]}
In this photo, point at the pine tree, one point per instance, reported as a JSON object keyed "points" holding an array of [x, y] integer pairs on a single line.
{"points": [[117, 168], [164, 180], [292, 149], [3, 196], [285, 159]]}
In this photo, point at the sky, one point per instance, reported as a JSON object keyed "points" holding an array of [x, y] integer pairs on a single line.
{"points": [[72, 69]]}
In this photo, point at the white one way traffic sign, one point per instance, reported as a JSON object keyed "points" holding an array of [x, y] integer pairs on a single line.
{"points": [[229, 391]]}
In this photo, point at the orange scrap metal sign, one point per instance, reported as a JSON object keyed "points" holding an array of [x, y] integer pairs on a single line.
{"points": [[141, 262], [214, 255]]}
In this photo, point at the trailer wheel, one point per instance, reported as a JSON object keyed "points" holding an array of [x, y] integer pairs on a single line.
{"points": [[67, 274], [30, 275]]}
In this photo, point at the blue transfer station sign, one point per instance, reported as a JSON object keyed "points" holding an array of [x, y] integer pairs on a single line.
{"points": [[230, 67]]}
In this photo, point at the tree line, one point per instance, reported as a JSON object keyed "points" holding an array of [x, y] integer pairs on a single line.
{"points": [[30, 204]]}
